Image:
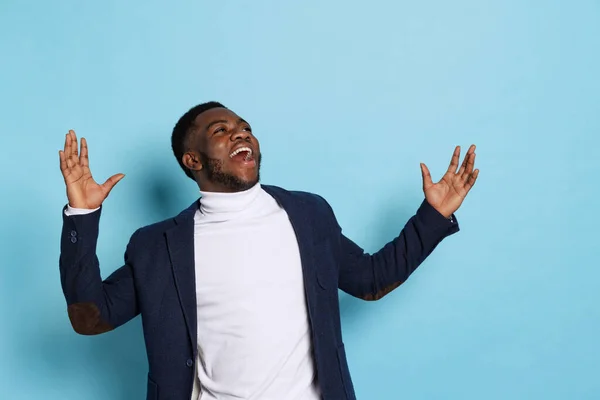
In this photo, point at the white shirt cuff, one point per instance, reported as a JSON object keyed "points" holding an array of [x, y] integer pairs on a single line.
{"points": [[78, 211]]}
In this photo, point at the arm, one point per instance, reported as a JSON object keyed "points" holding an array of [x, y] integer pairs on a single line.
{"points": [[94, 306], [370, 277]]}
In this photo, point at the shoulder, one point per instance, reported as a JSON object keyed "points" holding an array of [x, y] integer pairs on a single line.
{"points": [[157, 230], [311, 202], [298, 196]]}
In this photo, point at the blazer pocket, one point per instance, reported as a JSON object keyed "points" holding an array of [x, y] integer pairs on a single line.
{"points": [[152, 390], [326, 276]]}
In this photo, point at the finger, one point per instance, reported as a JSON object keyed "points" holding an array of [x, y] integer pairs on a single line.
{"points": [[83, 158], [454, 161], [463, 166], [73, 159], [68, 145], [62, 162], [67, 141], [68, 153], [111, 182], [427, 182], [74, 144], [470, 166], [471, 181]]}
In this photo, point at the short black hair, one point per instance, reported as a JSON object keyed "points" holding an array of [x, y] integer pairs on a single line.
{"points": [[183, 127]]}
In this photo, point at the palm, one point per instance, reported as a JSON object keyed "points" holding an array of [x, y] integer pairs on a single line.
{"points": [[447, 195], [82, 190]]}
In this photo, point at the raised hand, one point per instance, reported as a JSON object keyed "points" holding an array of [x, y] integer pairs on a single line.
{"points": [[82, 190], [447, 195]]}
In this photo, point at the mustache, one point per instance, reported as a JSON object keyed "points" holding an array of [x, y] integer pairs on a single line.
{"points": [[206, 160]]}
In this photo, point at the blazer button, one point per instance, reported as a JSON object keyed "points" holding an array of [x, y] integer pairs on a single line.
{"points": [[73, 239], [189, 362], [73, 233]]}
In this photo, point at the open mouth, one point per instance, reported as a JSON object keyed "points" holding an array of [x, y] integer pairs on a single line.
{"points": [[242, 154]]}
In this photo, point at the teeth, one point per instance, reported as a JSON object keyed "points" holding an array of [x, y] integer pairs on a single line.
{"points": [[236, 152]]}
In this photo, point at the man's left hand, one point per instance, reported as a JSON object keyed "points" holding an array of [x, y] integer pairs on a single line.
{"points": [[447, 195]]}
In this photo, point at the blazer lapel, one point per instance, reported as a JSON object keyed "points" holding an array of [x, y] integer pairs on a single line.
{"points": [[180, 242], [303, 225]]}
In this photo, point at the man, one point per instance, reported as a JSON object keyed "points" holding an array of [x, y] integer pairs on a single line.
{"points": [[239, 293]]}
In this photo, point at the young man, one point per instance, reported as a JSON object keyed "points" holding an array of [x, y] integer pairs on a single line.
{"points": [[239, 293]]}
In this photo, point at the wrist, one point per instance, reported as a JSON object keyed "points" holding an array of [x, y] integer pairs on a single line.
{"points": [[80, 207], [443, 212]]}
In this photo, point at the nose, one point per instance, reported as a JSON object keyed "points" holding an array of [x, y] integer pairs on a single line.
{"points": [[240, 134]]}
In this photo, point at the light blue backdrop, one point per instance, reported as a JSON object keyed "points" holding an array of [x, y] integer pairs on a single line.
{"points": [[346, 99]]}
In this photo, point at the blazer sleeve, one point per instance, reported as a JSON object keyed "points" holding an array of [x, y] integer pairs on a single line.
{"points": [[94, 306], [372, 276]]}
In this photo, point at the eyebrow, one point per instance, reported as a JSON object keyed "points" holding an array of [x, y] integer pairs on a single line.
{"points": [[222, 121]]}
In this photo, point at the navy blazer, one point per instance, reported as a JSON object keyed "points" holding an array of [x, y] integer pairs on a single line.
{"points": [[158, 282]]}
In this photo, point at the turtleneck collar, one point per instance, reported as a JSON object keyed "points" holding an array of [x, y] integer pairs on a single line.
{"points": [[218, 204]]}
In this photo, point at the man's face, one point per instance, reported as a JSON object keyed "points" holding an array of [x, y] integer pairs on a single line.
{"points": [[227, 152]]}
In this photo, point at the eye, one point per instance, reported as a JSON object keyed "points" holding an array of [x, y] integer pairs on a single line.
{"points": [[248, 129], [219, 130]]}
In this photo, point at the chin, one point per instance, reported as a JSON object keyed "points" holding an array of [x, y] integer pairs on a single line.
{"points": [[241, 182], [232, 179], [248, 183]]}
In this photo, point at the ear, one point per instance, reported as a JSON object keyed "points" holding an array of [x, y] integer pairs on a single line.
{"points": [[192, 161]]}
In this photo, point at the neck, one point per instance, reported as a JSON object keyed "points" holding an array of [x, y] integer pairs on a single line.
{"points": [[227, 184], [215, 203]]}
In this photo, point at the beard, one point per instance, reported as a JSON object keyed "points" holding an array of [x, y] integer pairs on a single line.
{"points": [[215, 174]]}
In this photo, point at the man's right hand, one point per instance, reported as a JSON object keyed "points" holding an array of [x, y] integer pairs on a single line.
{"points": [[82, 190]]}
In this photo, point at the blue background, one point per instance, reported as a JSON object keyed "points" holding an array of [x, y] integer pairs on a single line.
{"points": [[346, 99]]}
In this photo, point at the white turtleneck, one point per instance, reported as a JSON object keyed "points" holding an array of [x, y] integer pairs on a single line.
{"points": [[253, 330]]}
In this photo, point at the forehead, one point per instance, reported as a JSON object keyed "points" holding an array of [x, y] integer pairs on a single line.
{"points": [[214, 114]]}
